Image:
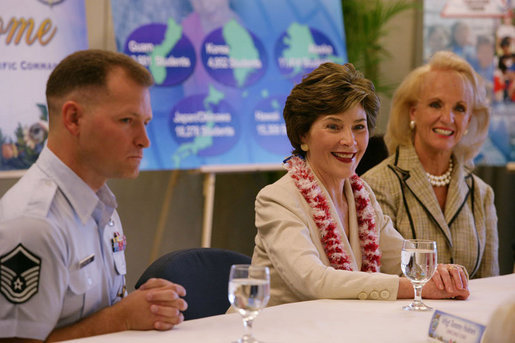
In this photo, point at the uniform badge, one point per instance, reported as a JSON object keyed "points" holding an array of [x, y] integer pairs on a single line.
{"points": [[19, 274], [119, 242]]}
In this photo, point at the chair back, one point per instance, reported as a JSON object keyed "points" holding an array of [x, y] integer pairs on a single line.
{"points": [[203, 272], [376, 152]]}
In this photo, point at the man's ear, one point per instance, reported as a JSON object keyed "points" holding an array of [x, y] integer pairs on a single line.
{"points": [[71, 114]]}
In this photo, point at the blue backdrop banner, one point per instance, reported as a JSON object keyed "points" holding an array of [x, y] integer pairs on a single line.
{"points": [[223, 70]]}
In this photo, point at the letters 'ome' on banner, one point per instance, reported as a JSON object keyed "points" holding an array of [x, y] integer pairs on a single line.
{"points": [[223, 70], [34, 36]]}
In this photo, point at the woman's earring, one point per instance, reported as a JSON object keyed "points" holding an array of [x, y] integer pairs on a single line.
{"points": [[466, 131], [304, 147], [412, 124]]}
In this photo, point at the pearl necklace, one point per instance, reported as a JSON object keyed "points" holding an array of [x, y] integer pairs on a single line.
{"points": [[442, 180]]}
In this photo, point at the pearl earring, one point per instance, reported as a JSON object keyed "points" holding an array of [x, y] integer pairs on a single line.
{"points": [[466, 131], [304, 147], [412, 124]]}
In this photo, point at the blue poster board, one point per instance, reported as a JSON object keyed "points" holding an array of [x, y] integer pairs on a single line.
{"points": [[223, 70]]}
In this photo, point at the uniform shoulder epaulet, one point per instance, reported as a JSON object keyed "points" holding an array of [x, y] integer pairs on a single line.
{"points": [[41, 200]]}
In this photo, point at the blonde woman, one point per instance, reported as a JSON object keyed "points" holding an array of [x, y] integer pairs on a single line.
{"points": [[438, 122]]}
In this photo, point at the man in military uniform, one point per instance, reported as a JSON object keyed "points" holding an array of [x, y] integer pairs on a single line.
{"points": [[62, 263]]}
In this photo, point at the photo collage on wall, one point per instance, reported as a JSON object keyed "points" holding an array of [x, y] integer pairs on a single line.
{"points": [[483, 33]]}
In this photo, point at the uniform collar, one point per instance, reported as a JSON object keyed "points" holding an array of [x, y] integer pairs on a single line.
{"points": [[83, 199]]}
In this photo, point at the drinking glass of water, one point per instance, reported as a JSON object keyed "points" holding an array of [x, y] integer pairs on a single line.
{"points": [[249, 291], [418, 263]]}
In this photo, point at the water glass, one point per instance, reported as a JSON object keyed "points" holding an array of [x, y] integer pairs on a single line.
{"points": [[418, 263], [249, 291]]}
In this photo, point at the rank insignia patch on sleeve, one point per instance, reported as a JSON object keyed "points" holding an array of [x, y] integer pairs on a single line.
{"points": [[19, 274]]}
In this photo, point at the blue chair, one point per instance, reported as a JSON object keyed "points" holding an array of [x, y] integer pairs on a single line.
{"points": [[204, 272]]}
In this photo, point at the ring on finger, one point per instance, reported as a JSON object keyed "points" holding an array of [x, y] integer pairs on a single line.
{"points": [[452, 267]]}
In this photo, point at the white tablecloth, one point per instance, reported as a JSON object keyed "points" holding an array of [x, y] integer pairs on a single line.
{"points": [[337, 320]]}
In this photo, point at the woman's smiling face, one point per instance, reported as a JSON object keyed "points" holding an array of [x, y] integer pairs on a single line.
{"points": [[337, 143], [442, 113]]}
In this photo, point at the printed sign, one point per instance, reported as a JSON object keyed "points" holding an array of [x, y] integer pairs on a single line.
{"points": [[222, 71], [446, 327], [34, 37]]}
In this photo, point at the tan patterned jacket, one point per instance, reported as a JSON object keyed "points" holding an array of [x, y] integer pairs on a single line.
{"points": [[466, 232]]}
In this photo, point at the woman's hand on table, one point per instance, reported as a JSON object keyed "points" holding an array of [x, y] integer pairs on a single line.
{"points": [[449, 281]]}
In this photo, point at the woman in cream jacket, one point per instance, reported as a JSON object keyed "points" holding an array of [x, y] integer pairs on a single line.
{"points": [[320, 229]]}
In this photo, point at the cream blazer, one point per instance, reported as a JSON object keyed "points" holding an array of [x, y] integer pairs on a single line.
{"points": [[288, 242], [465, 232]]}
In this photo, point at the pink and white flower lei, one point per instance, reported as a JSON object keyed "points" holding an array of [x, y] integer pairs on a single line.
{"points": [[305, 181]]}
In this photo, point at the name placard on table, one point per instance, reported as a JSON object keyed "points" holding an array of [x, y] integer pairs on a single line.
{"points": [[445, 327]]}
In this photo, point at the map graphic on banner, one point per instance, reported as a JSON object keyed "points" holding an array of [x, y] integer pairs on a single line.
{"points": [[34, 36], [222, 71], [483, 33]]}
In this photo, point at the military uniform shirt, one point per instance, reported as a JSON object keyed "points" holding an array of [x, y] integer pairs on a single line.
{"points": [[61, 252]]}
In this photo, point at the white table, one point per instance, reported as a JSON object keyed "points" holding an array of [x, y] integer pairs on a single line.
{"points": [[337, 320]]}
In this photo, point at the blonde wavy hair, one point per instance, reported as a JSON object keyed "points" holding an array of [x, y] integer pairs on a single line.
{"points": [[406, 96]]}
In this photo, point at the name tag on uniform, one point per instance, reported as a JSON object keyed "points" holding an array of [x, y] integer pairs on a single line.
{"points": [[85, 261], [446, 327]]}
